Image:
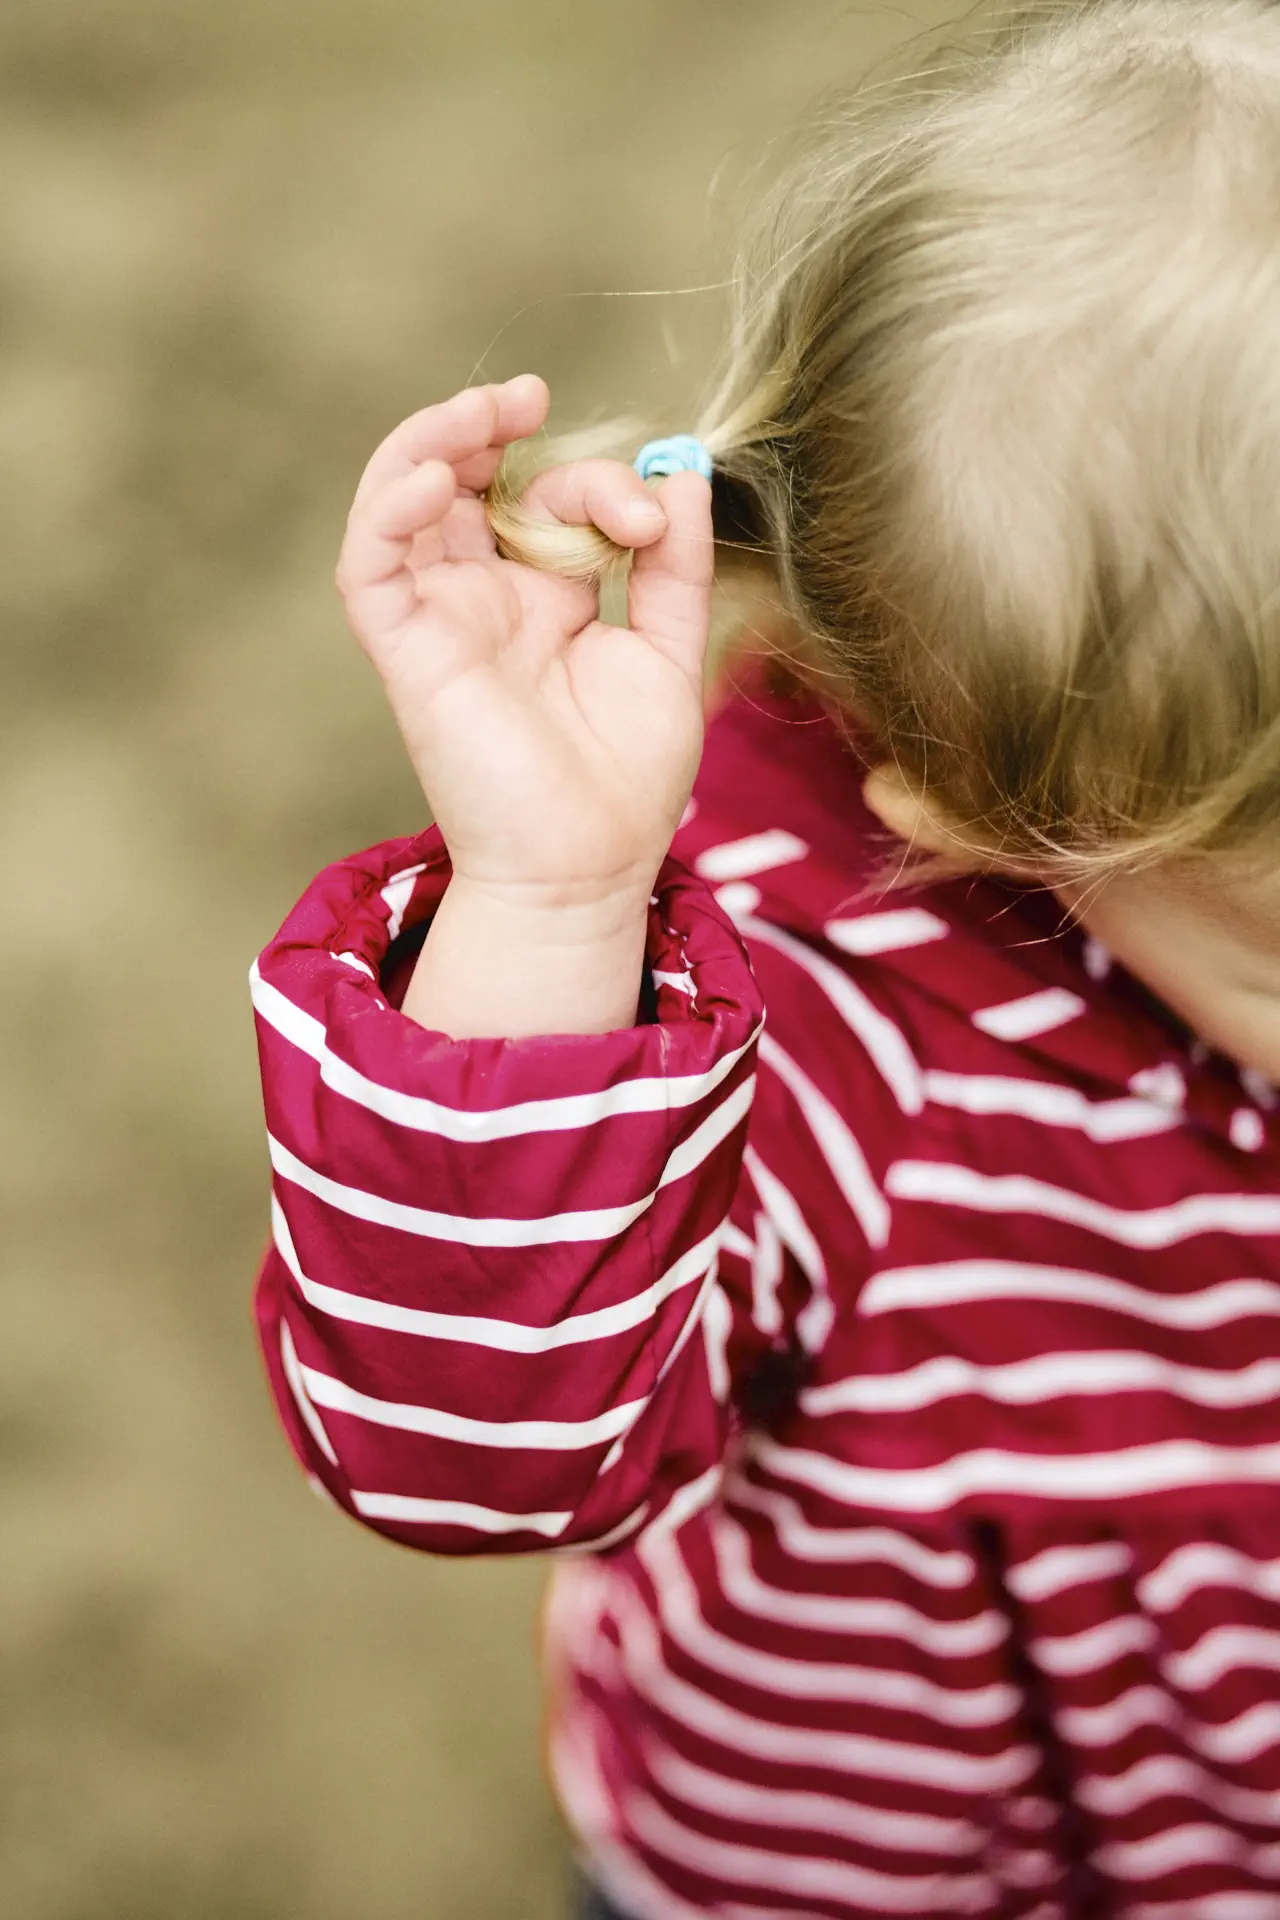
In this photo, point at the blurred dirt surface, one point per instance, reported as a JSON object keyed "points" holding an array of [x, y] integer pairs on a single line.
{"points": [[237, 241]]}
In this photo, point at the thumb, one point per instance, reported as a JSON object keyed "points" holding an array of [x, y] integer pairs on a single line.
{"points": [[669, 591]]}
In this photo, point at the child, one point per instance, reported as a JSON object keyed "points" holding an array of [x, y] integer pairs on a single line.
{"points": [[900, 1378]]}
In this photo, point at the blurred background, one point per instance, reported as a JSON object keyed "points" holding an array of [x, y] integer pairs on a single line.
{"points": [[238, 240]]}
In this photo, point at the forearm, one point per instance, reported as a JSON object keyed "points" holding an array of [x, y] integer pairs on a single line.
{"points": [[496, 968], [482, 1312]]}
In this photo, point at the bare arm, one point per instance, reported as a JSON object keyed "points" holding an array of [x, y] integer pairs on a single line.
{"points": [[492, 969]]}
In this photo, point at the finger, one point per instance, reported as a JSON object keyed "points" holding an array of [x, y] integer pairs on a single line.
{"points": [[469, 432], [522, 410], [374, 573], [669, 592], [599, 493], [381, 532], [466, 533], [463, 534]]}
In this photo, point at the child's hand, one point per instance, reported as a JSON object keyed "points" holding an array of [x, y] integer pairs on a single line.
{"points": [[555, 752]]}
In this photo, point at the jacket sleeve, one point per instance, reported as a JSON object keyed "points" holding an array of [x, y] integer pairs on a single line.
{"points": [[490, 1312]]}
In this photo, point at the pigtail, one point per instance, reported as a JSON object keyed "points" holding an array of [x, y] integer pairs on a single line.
{"points": [[996, 443], [584, 552], [536, 540]]}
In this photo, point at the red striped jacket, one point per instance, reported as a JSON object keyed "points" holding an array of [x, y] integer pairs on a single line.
{"points": [[900, 1380]]}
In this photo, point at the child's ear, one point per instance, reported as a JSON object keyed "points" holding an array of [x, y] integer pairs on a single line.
{"points": [[905, 811], [910, 817]]}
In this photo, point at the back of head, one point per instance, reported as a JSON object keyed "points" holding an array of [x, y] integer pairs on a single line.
{"points": [[1004, 392]]}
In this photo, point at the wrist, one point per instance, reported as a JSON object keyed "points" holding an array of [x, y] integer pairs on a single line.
{"points": [[554, 914], [507, 964]]}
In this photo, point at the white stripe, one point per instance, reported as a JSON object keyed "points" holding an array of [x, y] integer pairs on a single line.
{"points": [[600, 1543], [811, 1878], [693, 1319], [766, 1278], [500, 1336], [575, 1770], [1177, 1848], [956, 1282], [755, 853], [1252, 1732], [1058, 1568], [1097, 961], [792, 1227], [297, 1387], [764, 1257], [1207, 1906], [1106, 1725], [1031, 1014], [854, 1546], [764, 1807], [886, 1046], [356, 961], [733, 1240], [717, 1326], [1165, 1775], [1163, 1085], [1047, 1102], [559, 1436], [1263, 1092], [397, 893], [1255, 1731], [550, 1230], [689, 1499], [1147, 1227], [856, 1754], [1093, 1647], [1248, 1130], [455, 1513], [283, 1239], [836, 1613], [602, 1223], [1206, 1564], [737, 898], [837, 1145], [558, 1114], [1223, 1650], [992, 1705], [1049, 1376], [1118, 1475], [709, 1133], [889, 932], [680, 982]]}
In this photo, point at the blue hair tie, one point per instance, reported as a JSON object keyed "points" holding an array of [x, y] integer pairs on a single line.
{"points": [[680, 454]]}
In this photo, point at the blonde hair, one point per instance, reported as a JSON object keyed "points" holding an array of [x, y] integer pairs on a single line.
{"points": [[1003, 400]]}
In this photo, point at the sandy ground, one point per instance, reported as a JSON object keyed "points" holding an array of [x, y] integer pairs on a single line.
{"points": [[237, 242]]}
